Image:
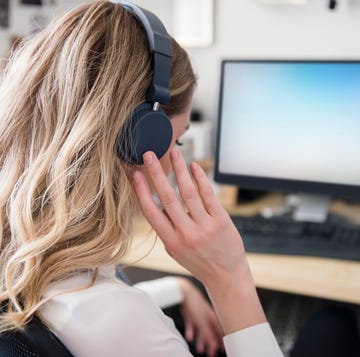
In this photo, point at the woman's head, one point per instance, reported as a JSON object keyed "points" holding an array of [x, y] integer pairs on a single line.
{"points": [[66, 201]]}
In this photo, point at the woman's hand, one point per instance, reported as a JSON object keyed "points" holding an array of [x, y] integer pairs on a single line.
{"points": [[200, 235], [197, 232], [201, 323]]}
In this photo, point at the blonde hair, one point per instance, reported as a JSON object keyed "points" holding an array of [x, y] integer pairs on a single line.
{"points": [[66, 203]]}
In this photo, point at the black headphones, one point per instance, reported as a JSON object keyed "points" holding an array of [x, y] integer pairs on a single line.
{"points": [[149, 128]]}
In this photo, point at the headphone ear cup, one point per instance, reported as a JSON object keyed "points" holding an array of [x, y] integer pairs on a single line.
{"points": [[145, 130]]}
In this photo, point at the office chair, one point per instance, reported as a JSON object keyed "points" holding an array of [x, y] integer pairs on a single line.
{"points": [[35, 340]]}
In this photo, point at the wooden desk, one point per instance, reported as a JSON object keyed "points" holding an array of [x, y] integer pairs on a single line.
{"points": [[318, 277]]}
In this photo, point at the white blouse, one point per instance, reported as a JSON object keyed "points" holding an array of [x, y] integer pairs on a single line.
{"points": [[111, 319]]}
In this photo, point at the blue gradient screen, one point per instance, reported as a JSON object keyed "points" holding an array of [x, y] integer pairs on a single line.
{"points": [[291, 120]]}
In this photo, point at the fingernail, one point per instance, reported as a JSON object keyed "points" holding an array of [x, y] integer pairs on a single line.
{"points": [[174, 155], [136, 177], [148, 158]]}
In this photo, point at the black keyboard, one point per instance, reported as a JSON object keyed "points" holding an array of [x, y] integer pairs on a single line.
{"points": [[335, 238]]}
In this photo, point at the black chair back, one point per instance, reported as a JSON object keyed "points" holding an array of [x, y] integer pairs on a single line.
{"points": [[35, 340]]}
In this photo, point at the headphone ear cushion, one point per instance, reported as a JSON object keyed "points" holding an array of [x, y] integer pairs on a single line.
{"points": [[146, 130]]}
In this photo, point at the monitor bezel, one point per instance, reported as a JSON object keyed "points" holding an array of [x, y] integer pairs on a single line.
{"points": [[349, 192]]}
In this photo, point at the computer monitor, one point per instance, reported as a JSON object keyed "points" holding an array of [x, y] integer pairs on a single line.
{"points": [[290, 126]]}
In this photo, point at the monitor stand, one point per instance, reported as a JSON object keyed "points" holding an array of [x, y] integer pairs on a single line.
{"points": [[311, 208]]}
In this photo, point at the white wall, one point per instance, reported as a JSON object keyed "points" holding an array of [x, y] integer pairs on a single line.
{"points": [[248, 29], [23, 18]]}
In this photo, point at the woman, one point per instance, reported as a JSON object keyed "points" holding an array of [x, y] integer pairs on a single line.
{"points": [[68, 201]]}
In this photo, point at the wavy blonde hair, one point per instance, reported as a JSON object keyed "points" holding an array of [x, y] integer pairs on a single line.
{"points": [[66, 203]]}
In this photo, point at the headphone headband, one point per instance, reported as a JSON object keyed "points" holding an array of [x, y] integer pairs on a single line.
{"points": [[149, 128], [161, 48]]}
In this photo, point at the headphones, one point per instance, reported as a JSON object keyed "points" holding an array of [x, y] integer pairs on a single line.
{"points": [[149, 128]]}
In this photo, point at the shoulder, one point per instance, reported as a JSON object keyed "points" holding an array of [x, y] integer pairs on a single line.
{"points": [[112, 314]]}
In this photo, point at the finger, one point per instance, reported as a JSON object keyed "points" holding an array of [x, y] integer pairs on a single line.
{"points": [[211, 339], [211, 350], [187, 188], [189, 330], [211, 203], [200, 345], [165, 191], [149, 208], [217, 326], [220, 334]]}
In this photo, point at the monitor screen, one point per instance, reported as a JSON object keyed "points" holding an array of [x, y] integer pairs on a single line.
{"points": [[290, 125]]}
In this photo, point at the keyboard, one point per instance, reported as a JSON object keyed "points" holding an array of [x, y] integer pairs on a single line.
{"points": [[336, 238]]}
